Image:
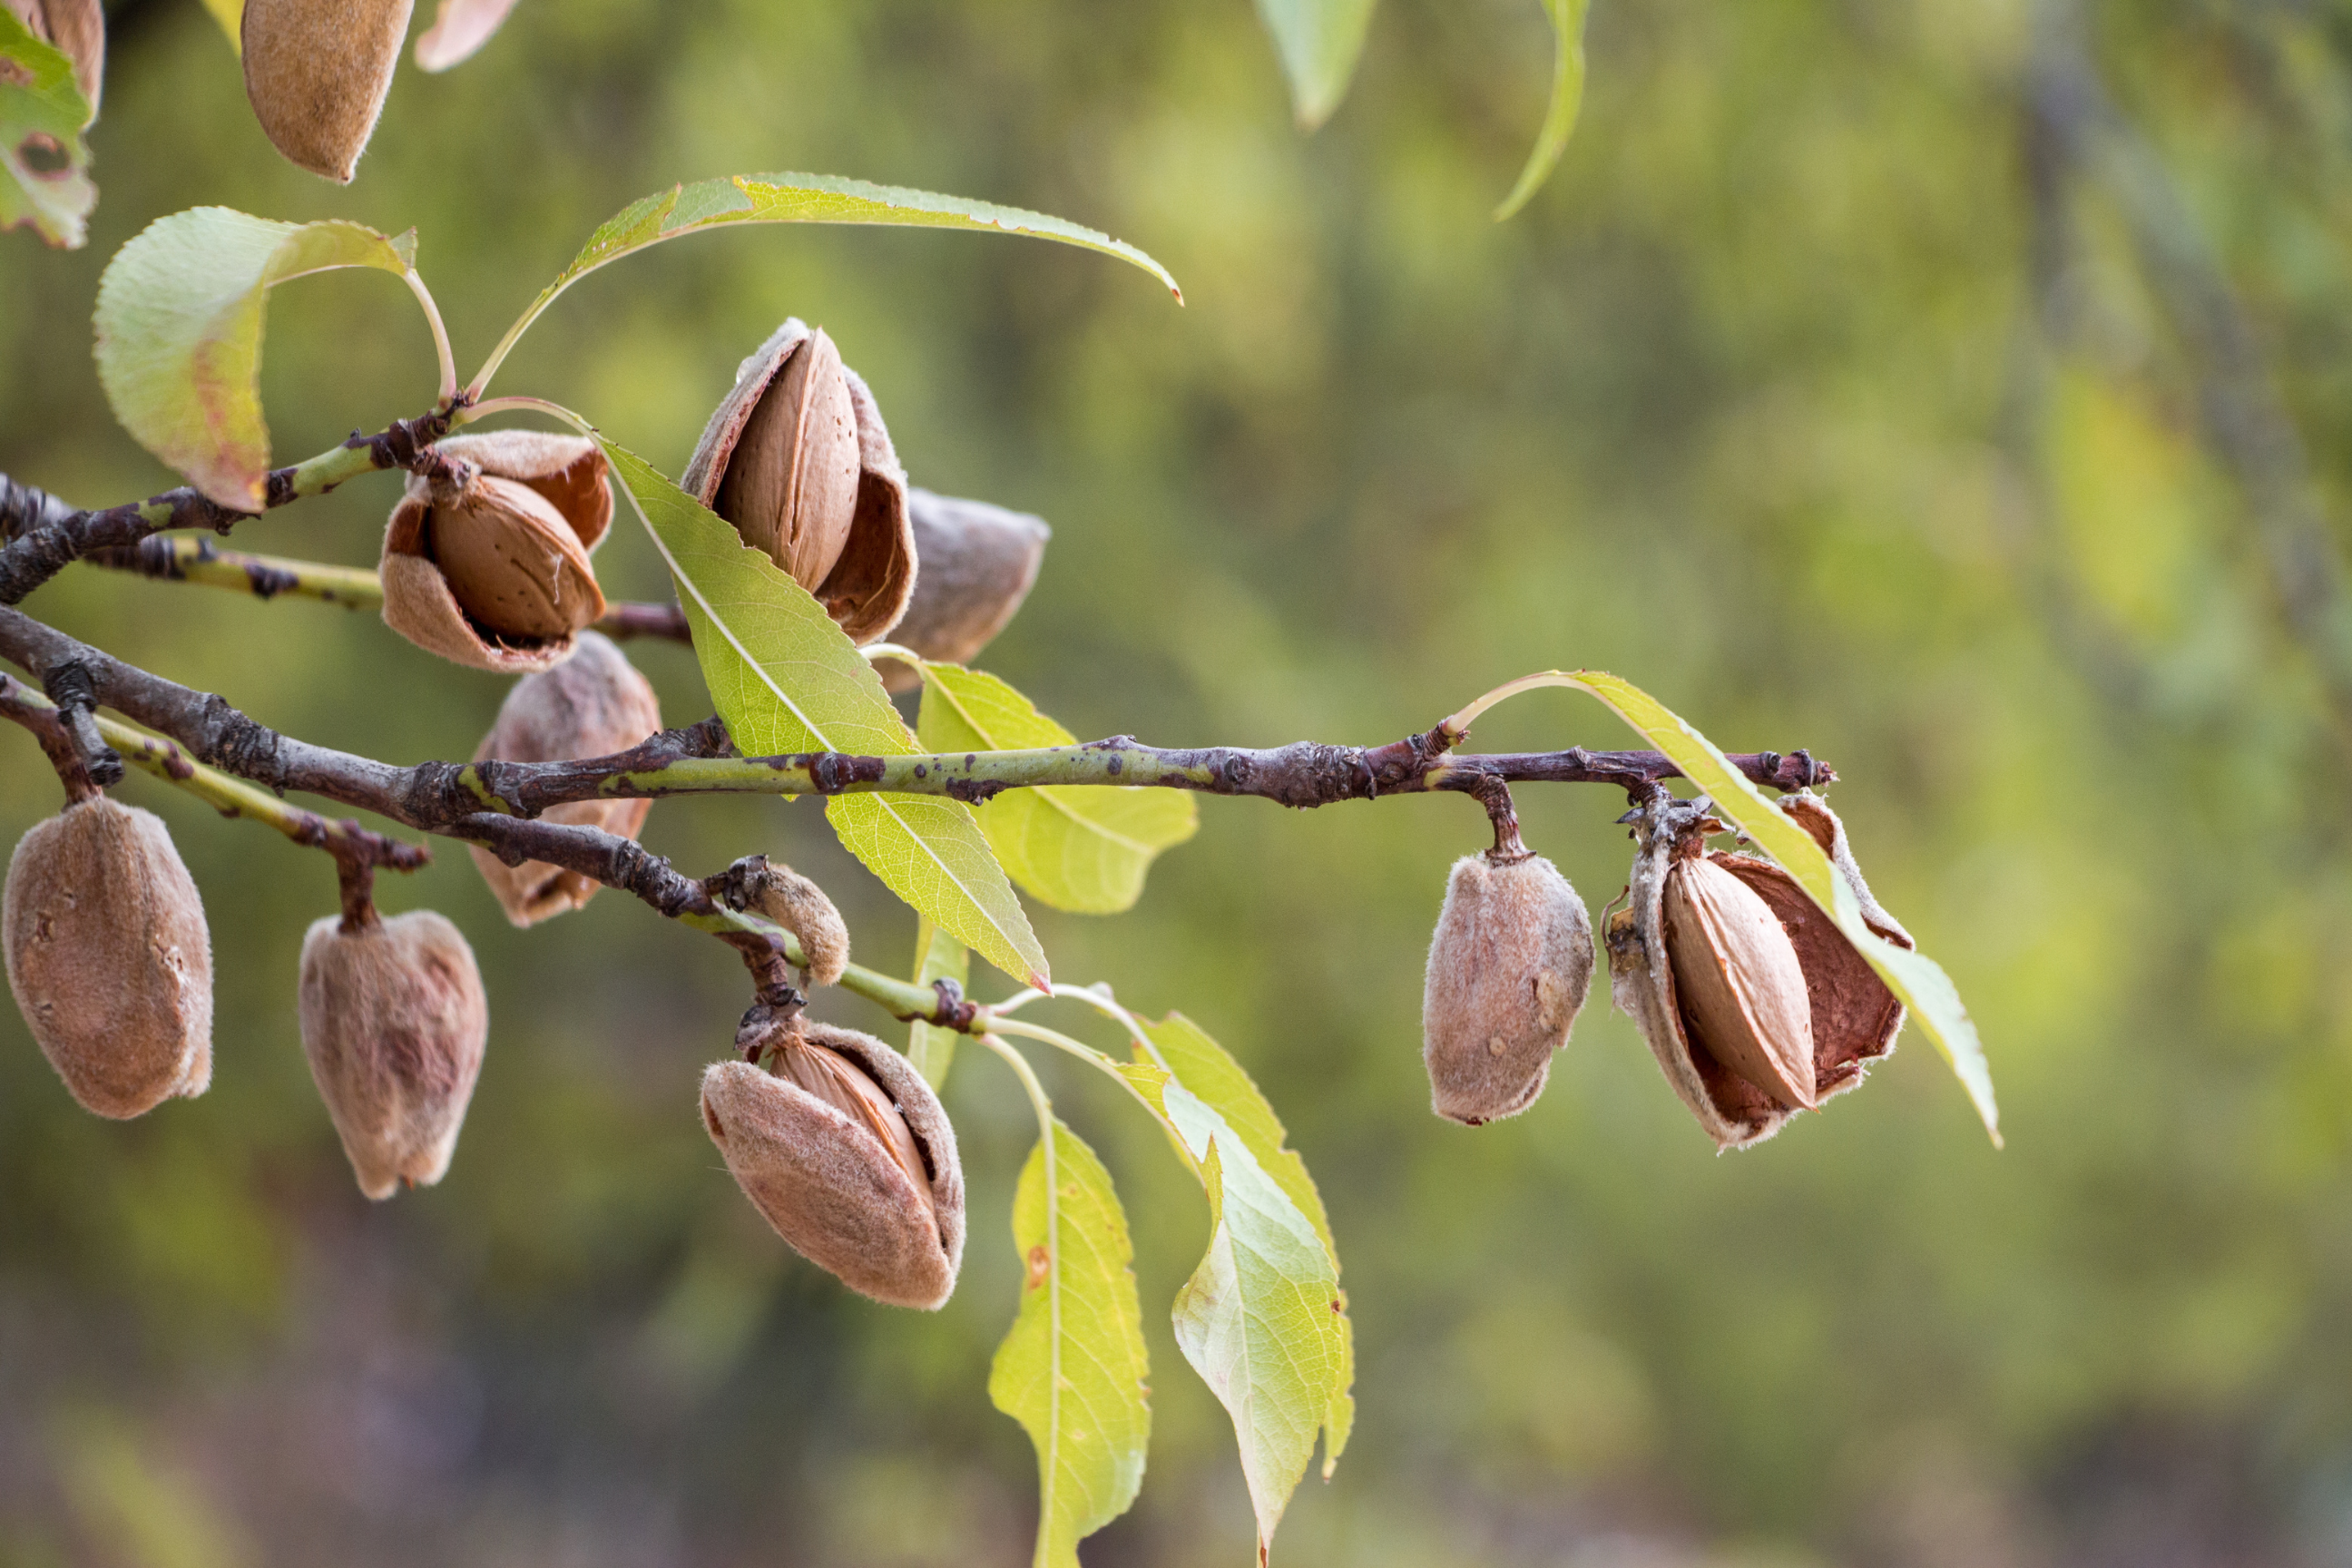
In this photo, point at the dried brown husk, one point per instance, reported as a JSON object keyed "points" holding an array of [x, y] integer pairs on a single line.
{"points": [[1509, 969], [800, 905], [76, 29], [979, 562], [592, 704], [865, 585], [835, 1188], [394, 1021], [109, 957], [317, 72], [1854, 1018], [544, 536]]}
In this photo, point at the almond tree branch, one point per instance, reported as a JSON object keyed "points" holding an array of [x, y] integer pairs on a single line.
{"points": [[44, 535]]}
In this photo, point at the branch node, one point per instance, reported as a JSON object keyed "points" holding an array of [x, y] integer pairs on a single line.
{"points": [[71, 687]]}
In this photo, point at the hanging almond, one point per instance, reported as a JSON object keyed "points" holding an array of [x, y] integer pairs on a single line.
{"points": [[844, 1149], [592, 704], [1509, 969], [979, 563], [317, 72], [486, 562], [797, 458], [109, 957], [394, 1022], [1711, 991]]}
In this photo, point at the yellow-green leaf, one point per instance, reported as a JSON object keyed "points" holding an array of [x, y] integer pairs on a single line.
{"points": [[44, 163], [1320, 42], [230, 14], [1566, 98], [1913, 977], [179, 334], [801, 198], [938, 956], [1209, 1072], [785, 678], [1073, 1370], [1071, 846]]}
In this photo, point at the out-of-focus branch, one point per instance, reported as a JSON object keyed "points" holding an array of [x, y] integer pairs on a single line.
{"points": [[2076, 133]]}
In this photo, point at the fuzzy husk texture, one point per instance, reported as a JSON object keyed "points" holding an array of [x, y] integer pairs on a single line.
{"points": [[592, 704], [979, 562], [76, 29], [1854, 1018], [109, 957], [568, 472], [394, 1021], [1509, 970], [800, 905], [826, 1182], [869, 584], [317, 71]]}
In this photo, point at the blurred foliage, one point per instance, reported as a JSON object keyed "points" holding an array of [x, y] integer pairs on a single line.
{"points": [[1758, 404]]}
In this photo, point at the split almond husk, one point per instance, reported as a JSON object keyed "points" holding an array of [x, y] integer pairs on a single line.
{"points": [[979, 563], [75, 28], [1851, 1017], [1509, 970], [844, 1149], [395, 1022], [110, 958], [486, 562], [797, 458], [592, 705], [317, 72]]}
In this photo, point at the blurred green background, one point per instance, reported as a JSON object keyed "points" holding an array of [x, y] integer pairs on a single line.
{"points": [[1850, 387]]}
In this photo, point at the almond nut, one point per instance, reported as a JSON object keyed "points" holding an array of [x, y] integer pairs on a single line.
{"points": [[1736, 975]]}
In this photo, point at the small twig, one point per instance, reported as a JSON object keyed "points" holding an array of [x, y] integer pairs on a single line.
{"points": [[69, 688], [43, 536], [21, 703]]}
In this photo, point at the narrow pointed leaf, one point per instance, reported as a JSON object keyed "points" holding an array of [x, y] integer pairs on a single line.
{"points": [[1566, 98], [1320, 42], [938, 956], [1071, 847], [1913, 977], [179, 334], [802, 198], [1209, 1072], [44, 163], [785, 678], [1073, 1370]]}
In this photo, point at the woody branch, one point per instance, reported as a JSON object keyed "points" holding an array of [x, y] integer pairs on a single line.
{"points": [[495, 804]]}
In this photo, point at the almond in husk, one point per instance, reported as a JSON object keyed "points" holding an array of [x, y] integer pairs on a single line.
{"points": [[979, 563], [1509, 969]]}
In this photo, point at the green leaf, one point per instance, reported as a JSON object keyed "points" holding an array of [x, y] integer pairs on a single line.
{"points": [[801, 198], [179, 334], [230, 14], [938, 956], [1209, 1072], [1566, 98], [1261, 1319], [1073, 1369], [1916, 978], [1320, 42], [1070, 846], [785, 678], [42, 155]]}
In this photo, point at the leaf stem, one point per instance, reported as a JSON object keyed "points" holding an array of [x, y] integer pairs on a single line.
{"points": [[415, 281]]}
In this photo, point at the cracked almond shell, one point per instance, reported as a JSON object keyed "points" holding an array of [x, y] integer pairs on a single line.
{"points": [[835, 1188], [317, 72], [490, 567], [1741, 990], [979, 562], [592, 704], [1853, 1016], [394, 1022], [109, 957], [824, 499], [1509, 970]]}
